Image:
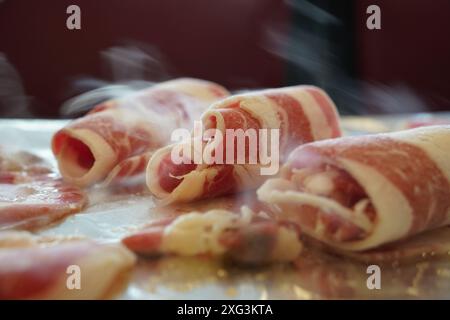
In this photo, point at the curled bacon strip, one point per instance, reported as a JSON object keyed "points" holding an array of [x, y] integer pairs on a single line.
{"points": [[301, 114], [358, 193], [116, 139]]}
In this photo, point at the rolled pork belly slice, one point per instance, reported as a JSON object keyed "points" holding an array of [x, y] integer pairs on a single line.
{"points": [[359, 193], [115, 140], [301, 114]]}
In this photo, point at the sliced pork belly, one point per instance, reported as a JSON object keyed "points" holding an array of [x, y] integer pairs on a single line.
{"points": [[32, 267], [116, 139], [359, 193], [244, 237], [31, 195], [35, 204], [16, 165], [301, 114]]}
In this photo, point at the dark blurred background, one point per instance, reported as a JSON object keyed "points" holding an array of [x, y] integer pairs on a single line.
{"points": [[242, 44]]}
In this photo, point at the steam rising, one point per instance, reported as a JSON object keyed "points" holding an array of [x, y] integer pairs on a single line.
{"points": [[131, 68], [85, 101], [135, 62], [309, 51], [13, 100]]}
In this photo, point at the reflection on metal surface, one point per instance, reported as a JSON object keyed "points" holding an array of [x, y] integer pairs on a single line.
{"points": [[313, 276]]}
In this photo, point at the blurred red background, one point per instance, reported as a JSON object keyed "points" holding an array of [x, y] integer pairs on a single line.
{"points": [[231, 42]]}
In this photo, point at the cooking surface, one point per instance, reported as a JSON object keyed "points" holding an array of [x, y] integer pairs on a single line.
{"points": [[113, 213]]}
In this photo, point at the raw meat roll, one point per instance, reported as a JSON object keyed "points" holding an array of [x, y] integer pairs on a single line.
{"points": [[299, 114], [117, 137], [357, 193]]}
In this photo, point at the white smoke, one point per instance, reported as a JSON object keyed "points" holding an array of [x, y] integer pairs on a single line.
{"points": [[13, 100], [310, 51], [131, 67]]}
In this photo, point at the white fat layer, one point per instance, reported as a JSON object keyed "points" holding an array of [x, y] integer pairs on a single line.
{"points": [[196, 233], [104, 156], [394, 213], [152, 178], [435, 141], [248, 176], [319, 183], [192, 186], [192, 87], [327, 205], [262, 109], [287, 246], [220, 123], [317, 119]]}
